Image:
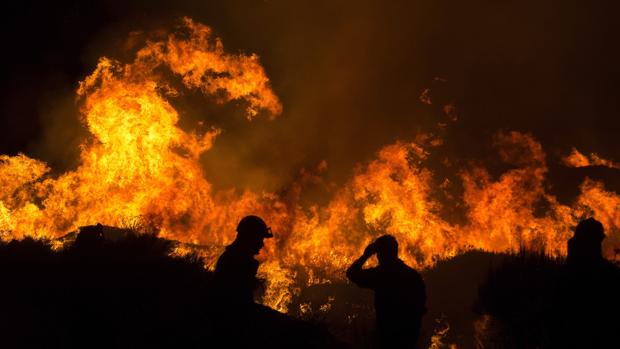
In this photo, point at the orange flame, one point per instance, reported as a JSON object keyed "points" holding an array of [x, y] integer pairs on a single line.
{"points": [[139, 163], [577, 159]]}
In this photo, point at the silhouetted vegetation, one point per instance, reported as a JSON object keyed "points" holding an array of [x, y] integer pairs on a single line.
{"points": [[127, 290], [532, 300], [125, 293]]}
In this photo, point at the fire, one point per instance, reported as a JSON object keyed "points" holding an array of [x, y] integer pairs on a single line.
{"points": [[502, 212], [577, 159], [140, 163]]}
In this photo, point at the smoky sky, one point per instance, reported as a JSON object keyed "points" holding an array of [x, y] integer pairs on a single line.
{"points": [[349, 75]]}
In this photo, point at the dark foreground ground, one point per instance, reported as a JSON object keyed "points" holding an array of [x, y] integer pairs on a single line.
{"points": [[130, 293]]}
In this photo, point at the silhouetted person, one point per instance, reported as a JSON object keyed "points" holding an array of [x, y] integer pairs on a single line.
{"points": [[400, 294], [235, 271], [589, 292], [584, 248]]}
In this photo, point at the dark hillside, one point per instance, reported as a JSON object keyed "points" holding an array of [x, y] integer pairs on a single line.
{"points": [[125, 293]]}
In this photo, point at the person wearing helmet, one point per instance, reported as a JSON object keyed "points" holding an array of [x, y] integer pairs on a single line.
{"points": [[586, 293], [584, 248], [400, 294], [235, 270]]}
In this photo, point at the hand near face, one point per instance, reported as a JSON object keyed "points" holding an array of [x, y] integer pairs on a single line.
{"points": [[370, 250]]}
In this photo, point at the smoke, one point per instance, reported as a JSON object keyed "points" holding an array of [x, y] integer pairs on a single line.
{"points": [[396, 149], [349, 75]]}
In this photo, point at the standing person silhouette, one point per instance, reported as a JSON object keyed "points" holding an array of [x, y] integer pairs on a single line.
{"points": [[400, 294], [236, 320], [235, 271], [588, 294]]}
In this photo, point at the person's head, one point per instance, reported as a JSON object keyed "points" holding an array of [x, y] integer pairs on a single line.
{"points": [[251, 231], [590, 229], [387, 249]]}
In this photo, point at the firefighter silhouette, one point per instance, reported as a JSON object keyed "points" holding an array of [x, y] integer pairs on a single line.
{"points": [[400, 294], [235, 271], [588, 294]]}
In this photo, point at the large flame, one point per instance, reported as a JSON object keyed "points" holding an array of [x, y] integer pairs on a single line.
{"points": [[139, 163]]}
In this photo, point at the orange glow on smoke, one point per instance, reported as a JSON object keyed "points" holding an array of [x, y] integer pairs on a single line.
{"points": [[139, 163], [577, 159]]}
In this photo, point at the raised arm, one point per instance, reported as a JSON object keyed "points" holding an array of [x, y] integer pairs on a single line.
{"points": [[362, 277]]}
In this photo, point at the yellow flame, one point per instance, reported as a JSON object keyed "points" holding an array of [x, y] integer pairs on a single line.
{"points": [[139, 163]]}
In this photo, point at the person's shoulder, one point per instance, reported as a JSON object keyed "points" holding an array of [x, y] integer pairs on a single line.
{"points": [[228, 256], [406, 266], [411, 272], [228, 252]]}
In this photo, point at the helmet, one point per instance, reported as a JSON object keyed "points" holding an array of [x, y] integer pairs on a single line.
{"points": [[253, 226], [590, 229]]}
